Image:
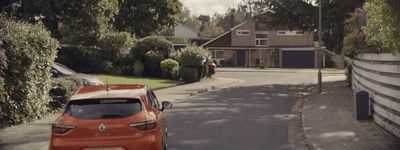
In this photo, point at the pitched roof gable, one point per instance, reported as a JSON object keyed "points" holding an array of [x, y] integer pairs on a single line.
{"points": [[224, 34]]}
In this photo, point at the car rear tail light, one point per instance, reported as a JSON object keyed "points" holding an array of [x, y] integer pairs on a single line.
{"points": [[61, 129], [145, 125]]}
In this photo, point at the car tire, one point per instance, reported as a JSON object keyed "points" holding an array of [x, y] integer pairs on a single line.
{"points": [[164, 146]]}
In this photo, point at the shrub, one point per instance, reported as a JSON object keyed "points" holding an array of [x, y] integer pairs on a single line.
{"points": [[62, 89], [204, 72], [167, 67], [176, 73], [349, 74], [193, 56], [31, 50], [110, 55], [189, 75], [152, 43], [138, 68], [115, 45], [152, 62], [3, 61], [382, 27]]}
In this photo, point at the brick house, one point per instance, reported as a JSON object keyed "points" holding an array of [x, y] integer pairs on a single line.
{"points": [[253, 44]]}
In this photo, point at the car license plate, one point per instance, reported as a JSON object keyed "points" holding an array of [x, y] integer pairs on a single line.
{"points": [[105, 148]]}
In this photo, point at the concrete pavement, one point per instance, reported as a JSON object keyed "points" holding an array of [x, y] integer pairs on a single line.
{"points": [[329, 123], [36, 135]]}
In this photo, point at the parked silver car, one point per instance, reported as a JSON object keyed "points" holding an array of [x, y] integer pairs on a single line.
{"points": [[59, 70]]}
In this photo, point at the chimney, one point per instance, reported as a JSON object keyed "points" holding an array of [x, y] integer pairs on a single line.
{"points": [[232, 20]]}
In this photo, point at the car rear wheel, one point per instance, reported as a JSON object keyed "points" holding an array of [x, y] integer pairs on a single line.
{"points": [[164, 146]]}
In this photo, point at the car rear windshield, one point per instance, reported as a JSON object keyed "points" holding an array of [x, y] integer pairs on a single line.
{"points": [[104, 108]]}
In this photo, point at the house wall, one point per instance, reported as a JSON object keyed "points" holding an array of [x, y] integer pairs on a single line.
{"points": [[244, 40], [307, 39]]}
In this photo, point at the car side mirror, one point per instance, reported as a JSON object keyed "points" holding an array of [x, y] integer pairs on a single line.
{"points": [[166, 105], [54, 73]]}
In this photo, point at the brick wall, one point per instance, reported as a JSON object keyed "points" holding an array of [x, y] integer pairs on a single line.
{"points": [[307, 39], [238, 40]]}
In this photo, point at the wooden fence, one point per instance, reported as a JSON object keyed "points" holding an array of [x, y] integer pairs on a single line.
{"points": [[379, 74]]}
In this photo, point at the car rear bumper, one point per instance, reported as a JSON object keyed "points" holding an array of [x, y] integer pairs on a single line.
{"points": [[148, 142]]}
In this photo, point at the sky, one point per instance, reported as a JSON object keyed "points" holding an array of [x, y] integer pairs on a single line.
{"points": [[209, 7]]}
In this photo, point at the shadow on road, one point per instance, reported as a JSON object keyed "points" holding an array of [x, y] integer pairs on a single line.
{"points": [[238, 118]]}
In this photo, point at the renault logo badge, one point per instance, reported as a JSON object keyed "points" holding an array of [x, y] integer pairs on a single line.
{"points": [[102, 127]]}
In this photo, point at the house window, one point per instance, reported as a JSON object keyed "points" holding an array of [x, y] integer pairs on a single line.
{"points": [[285, 33], [243, 32], [261, 38], [217, 54]]}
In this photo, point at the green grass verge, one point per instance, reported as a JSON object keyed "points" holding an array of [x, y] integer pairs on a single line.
{"points": [[154, 83]]}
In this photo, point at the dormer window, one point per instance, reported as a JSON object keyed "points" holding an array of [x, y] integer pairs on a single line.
{"points": [[243, 32]]}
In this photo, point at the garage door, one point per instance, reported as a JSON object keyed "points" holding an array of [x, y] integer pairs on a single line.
{"points": [[298, 59]]}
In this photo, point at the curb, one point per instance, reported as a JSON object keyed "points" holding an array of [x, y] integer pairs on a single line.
{"points": [[306, 139]]}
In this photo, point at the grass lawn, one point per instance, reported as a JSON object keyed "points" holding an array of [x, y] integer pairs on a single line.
{"points": [[154, 83]]}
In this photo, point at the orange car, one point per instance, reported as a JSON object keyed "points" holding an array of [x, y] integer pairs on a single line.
{"points": [[113, 117]]}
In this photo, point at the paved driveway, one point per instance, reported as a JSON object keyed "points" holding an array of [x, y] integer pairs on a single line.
{"points": [[257, 114]]}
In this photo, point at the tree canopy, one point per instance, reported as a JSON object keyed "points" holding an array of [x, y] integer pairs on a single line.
{"points": [[138, 17], [304, 14], [144, 18]]}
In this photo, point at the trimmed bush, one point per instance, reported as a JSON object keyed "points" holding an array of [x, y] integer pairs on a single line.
{"points": [[111, 55], [349, 73], [152, 62], [176, 73], [62, 89], [193, 56], [115, 45], [31, 50], [189, 75], [152, 43], [3, 61], [138, 68], [167, 67]]}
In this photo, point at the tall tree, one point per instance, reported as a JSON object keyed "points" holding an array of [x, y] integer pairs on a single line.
{"points": [[47, 11], [145, 17], [304, 14], [186, 18], [231, 18], [212, 31], [84, 22]]}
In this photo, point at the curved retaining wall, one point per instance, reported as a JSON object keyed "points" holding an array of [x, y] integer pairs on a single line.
{"points": [[379, 74]]}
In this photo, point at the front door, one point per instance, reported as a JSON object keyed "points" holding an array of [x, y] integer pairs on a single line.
{"points": [[241, 58]]}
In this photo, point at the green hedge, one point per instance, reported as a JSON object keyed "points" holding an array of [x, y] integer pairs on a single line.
{"points": [[189, 75], [167, 67], [138, 68], [193, 56], [152, 62], [62, 89], [31, 50], [152, 43], [176, 71]]}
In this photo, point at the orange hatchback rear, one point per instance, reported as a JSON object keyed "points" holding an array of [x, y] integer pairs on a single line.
{"points": [[114, 117]]}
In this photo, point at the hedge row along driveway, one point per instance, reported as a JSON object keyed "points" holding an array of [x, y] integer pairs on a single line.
{"points": [[30, 51]]}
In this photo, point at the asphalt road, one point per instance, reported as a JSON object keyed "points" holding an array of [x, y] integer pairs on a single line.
{"points": [[257, 114]]}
